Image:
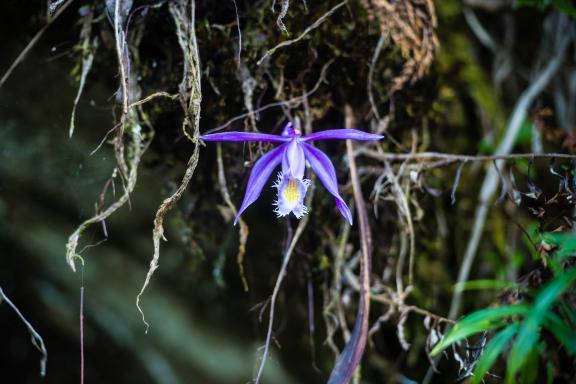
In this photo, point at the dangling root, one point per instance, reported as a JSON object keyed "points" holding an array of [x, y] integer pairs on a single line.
{"points": [[190, 97], [158, 232], [139, 144]]}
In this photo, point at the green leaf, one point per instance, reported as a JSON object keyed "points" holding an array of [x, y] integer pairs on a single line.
{"points": [[494, 348], [478, 321], [565, 6], [565, 334], [524, 136], [566, 242], [530, 371], [483, 284], [552, 290], [486, 147], [529, 331], [550, 370], [568, 312]]}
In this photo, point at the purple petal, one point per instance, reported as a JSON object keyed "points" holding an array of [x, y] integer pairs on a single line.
{"points": [[293, 161], [244, 136], [344, 210], [324, 169], [259, 176], [342, 134], [288, 130]]}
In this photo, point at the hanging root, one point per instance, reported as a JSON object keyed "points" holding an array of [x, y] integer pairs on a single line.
{"points": [[190, 97], [282, 15], [138, 145], [158, 232], [313, 26], [88, 49]]}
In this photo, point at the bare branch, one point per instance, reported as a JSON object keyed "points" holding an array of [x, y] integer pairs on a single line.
{"points": [[456, 158]]}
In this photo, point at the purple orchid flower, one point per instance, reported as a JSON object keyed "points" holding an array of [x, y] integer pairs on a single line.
{"points": [[292, 153]]}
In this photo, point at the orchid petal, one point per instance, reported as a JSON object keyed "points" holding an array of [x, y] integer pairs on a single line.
{"points": [[244, 136], [293, 161], [342, 134], [324, 169], [288, 130], [259, 176]]}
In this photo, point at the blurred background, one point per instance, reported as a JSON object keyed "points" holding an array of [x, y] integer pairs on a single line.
{"points": [[472, 62], [202, 330]]}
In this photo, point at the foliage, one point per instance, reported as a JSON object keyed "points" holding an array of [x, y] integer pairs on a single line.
{"points": [[520, 330]]}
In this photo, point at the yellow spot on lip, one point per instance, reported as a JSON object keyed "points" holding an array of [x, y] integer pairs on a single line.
{"points": [[291, 193]]}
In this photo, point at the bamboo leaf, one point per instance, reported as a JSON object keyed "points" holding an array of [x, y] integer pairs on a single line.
{"points": [[529, 332], [479, 321], [494, 348]]}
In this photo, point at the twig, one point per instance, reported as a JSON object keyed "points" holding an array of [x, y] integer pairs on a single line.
{"points": [[290, 249], [297, 99], [382, 298], [404, 207], [456, 182], [315, 25], [454, 158], [373, 62], [311, 316], [52, 7], [350, 357], [238, 60], [32, 42], [36, 338], [481, 33], [334, 292], [154, 96]]}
